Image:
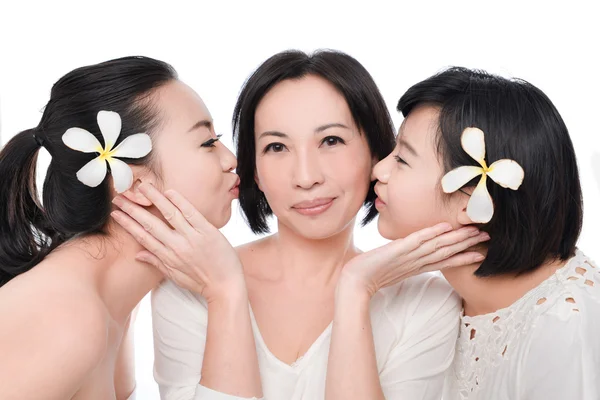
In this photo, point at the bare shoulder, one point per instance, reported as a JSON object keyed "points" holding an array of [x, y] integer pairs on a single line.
{"points": [[54, 334]]}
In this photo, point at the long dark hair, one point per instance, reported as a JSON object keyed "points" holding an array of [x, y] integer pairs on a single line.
{"points": [[28, 231]]}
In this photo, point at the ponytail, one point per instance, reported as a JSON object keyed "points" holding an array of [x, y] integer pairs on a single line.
{"points": [[24, 234]]}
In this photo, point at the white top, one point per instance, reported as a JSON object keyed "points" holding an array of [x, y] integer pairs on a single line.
{"points": [[546, 346], [415, 326]]}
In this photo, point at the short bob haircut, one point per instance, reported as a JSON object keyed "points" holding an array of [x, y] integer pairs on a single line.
{"points": [[348, 76], [542, 219]]}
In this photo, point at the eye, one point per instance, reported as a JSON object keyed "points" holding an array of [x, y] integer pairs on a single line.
{"points": [[274, 147], [331, 141], [211, 142], [400, 160]]}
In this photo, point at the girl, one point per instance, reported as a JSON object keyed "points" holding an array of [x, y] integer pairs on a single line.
{"points": [[69, 276], [478, 149]]}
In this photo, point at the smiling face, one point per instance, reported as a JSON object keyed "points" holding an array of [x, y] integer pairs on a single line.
{"points": [[190, 158], [312, 162], [408, 188]]}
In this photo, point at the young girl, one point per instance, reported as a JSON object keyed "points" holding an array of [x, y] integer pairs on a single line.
{"points": [[69, 276], [478, 149], [309, 128]]}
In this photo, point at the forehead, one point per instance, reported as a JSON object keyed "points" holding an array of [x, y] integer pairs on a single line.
{"points": [[180, 106], [295, 104], [420, 127]]}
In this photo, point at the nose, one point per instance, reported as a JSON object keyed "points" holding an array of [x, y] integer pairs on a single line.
{"points": [[307, 170], [381, 171], [228, 160]]}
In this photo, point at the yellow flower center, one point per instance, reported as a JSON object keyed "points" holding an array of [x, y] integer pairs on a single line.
{"points": [[106, 155]]}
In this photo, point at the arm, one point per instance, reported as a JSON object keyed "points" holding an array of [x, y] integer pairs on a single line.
{"points": [[197, 257], [352, 368], [182, 345], [416, 364]]}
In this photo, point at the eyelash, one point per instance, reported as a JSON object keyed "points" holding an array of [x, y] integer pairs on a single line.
{"points": [[400, 160], [211, 142], [337, 140]]}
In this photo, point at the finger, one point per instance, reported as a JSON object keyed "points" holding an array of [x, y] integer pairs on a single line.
{"points": [[149, 258], [139, 234], [149, 222], [417, 239], [449, 251], [445, 240], [458, 260], [189, 212], [169, 210]]}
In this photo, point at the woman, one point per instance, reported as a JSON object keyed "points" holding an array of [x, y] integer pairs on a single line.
{"points": [[309, 129], [69, 278], [531, 315]]}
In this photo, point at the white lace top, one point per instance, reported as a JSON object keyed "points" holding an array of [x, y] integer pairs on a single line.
{"points": [[546, 346]]}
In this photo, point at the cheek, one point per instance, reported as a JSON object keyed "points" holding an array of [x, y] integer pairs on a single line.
{"points": [[198, 177], [413, 204], [351, 170]]}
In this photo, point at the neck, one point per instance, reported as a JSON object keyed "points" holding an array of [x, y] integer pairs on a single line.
{"points": [[490, 294], [110, 262], [308, 260]]}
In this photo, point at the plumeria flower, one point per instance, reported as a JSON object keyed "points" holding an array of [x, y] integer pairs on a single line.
{"points": [[93, 173], [506, 173]]}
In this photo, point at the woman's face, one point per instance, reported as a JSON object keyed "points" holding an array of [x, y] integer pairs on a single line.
{"points": [[409, 194], [188, 157], [312, 162]]}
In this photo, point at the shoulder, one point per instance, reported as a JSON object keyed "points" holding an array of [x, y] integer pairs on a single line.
{"points": [[423, 294], [421, 306], [66, 327]]}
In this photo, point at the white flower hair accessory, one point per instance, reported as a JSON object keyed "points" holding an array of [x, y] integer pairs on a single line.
{"points": [[93, 173], [506, 173]]}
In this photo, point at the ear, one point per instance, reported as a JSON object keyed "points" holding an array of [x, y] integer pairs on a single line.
{"points": [[462, 200], [133, 193], [257, 181]]}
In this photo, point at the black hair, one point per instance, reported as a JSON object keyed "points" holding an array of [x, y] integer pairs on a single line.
{"points": [[542, 219], [348, 76], [28, 231]]}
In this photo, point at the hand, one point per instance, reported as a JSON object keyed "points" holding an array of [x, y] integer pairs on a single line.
{"points": [[430, 249], [193, 253]]}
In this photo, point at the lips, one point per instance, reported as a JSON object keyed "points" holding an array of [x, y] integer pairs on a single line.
{"points": [[236, 184], [314, 207], [378, 200]]}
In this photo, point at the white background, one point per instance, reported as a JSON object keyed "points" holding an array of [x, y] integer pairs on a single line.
{"points": [[215, 45]]}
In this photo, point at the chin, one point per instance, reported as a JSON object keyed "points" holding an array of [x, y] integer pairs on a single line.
{"points": [[220, 219]]}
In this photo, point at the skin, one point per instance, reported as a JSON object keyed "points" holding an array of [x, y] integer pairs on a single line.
{"points": [[75, 307], [310, 275]]}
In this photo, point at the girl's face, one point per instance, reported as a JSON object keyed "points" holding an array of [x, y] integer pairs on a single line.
{"points": [[312, 162], [408, 188], [188, 156]]}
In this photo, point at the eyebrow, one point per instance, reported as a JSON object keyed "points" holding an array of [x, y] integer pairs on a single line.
{"points": [[320, 129], [410, 149], [205, 123]]}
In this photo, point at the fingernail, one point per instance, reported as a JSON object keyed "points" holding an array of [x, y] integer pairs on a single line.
{"points": [[118, 201], [479, 257], [473, 231], [115, 215], [484, 236]]}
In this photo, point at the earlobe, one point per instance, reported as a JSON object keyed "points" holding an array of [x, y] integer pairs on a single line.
{"points": [[133, 194]]}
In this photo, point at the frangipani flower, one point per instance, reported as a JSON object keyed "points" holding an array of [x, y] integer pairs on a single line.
{"points": [[93, 173], [506, 173]]}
